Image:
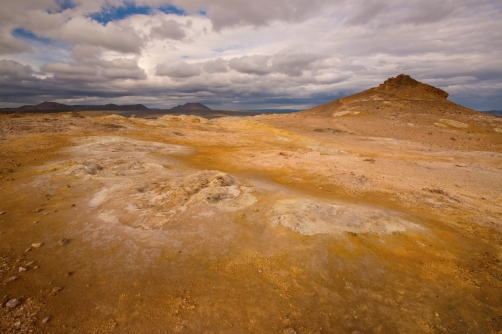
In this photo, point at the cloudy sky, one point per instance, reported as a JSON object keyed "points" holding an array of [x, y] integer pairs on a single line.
{"points": [[245, 54]]}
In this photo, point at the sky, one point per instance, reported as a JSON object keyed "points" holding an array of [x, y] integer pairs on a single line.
{"points": [[245, 55]]}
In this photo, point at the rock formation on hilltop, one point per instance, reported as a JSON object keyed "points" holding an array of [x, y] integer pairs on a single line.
{"points": [[406, 87]]}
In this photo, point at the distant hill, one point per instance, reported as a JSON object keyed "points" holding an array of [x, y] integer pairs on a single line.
{"points": [[191, 106], [59, 107], [54, 107], [494, 112]]}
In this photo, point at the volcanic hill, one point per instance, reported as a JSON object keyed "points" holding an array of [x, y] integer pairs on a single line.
{"points": [[404, 108], [191, 106]]}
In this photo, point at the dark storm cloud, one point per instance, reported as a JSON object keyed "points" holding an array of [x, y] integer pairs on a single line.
{"points": [[12, 70]]}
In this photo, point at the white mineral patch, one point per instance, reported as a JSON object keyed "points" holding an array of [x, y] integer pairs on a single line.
{"points": [[103, 195], [440, 125], [282, 138], [453, 123], [345, 112], [309, 217]]}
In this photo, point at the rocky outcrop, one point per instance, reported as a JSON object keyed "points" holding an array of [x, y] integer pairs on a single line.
{"points": [[406, 87]]}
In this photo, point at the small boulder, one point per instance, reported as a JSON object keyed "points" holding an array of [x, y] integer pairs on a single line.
{"points": [[55, 290], [63, 242], [10, 279], [289, 331], [13, 303]]}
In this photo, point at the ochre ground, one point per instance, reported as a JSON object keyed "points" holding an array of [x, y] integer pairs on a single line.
{"points": [[370, 215]]}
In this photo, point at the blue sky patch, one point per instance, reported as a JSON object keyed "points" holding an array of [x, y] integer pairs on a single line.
{"points": [[65, 4], [118, 13], [28, 36]]}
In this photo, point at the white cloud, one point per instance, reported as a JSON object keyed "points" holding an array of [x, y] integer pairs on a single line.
{"points": [[215, 66], [178, 70], [11, 45], [169, 29]]}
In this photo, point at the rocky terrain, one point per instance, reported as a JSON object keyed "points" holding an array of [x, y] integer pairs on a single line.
{"points": [[375, 213]]}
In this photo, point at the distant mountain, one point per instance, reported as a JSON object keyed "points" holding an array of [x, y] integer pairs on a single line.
{"points": [[494, 112], [59, 107], [51, 107], [191, 106]]}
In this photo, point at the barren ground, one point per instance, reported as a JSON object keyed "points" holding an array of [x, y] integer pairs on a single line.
{"points": [[382, 218]]}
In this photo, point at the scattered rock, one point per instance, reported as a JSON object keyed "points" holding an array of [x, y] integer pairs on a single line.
{"points": [[357, 332], [63, 242], [289, 331], [333, 131], [30, 263], [28, 249], [46, 320], [21, 269], [13, 303], [56, 290], [10, 279], [37, 245], [35, 222], [442, 192], [1, 212]]}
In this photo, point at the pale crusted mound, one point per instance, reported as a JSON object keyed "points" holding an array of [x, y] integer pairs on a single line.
{"points": [[139, 192], [309, 217]]}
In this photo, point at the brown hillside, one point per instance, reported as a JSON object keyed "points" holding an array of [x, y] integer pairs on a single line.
{"points": [[406, 109]]}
